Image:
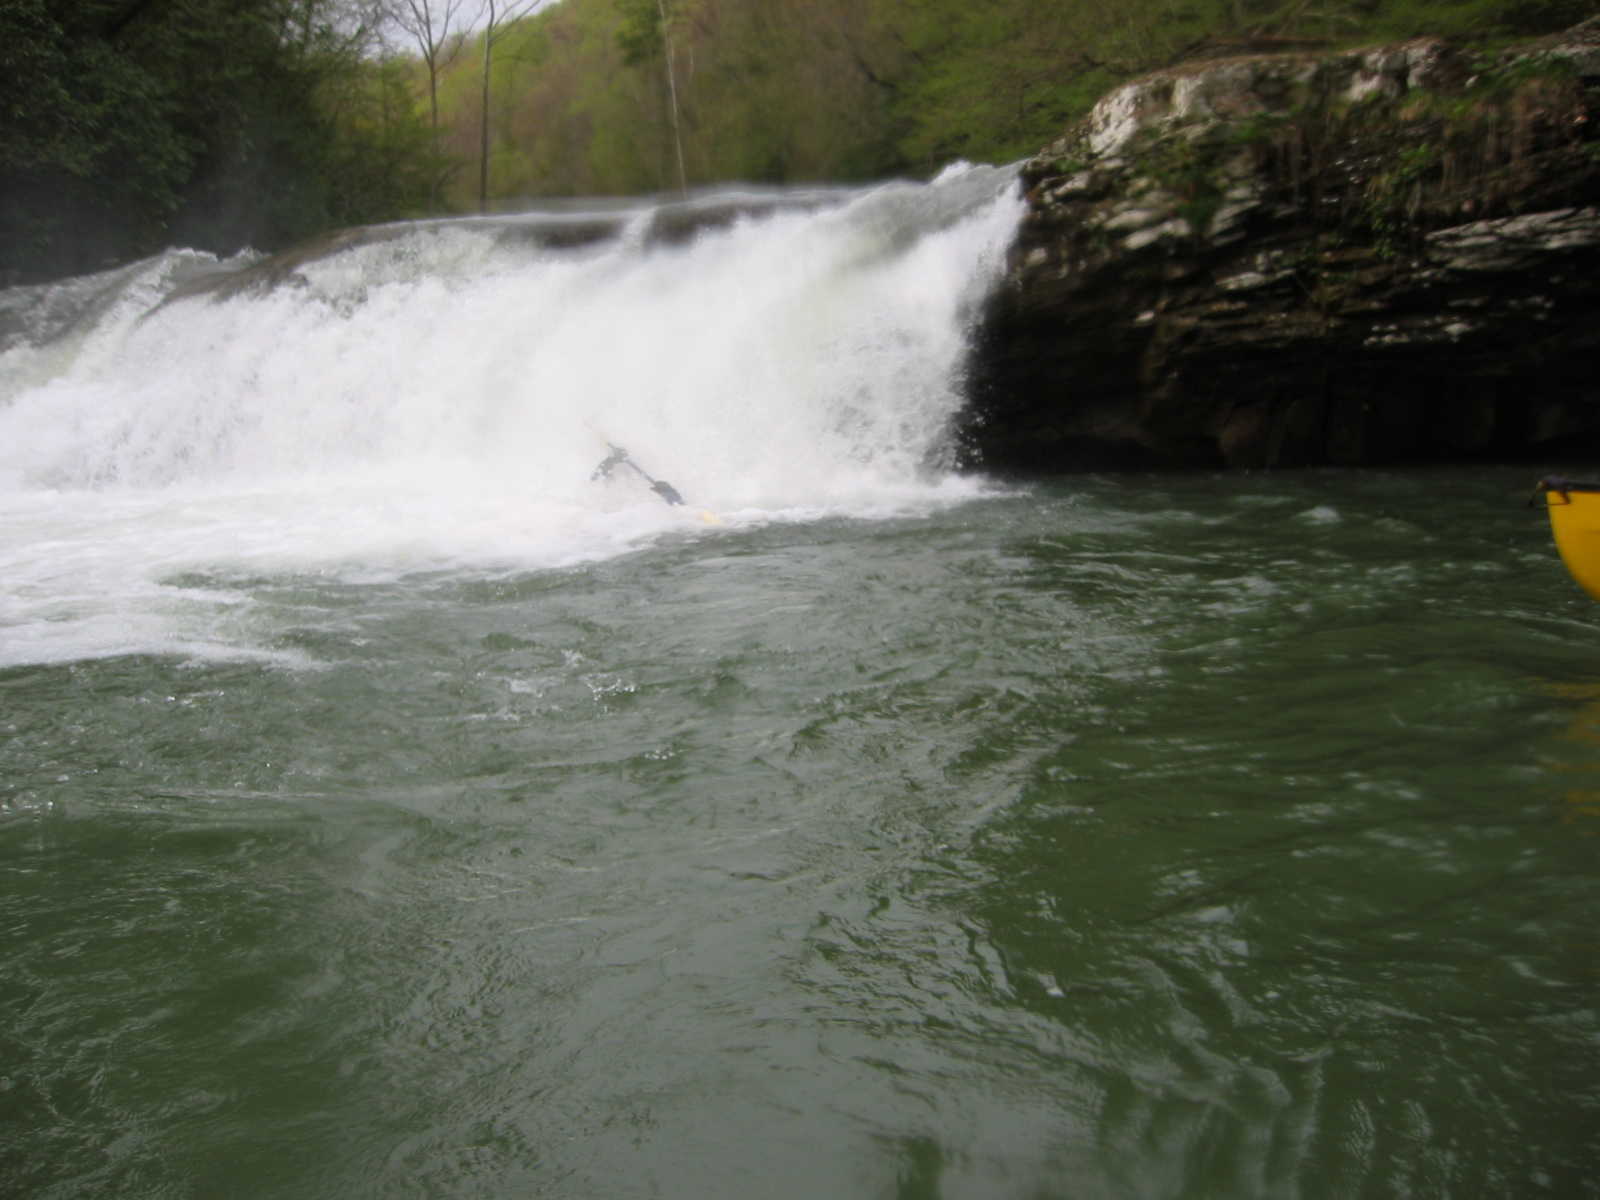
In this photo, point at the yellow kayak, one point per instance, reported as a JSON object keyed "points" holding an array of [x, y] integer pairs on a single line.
{"points": [[1574, 508]]}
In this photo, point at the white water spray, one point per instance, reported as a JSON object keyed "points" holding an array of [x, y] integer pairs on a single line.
{"points": [[439, 397]]}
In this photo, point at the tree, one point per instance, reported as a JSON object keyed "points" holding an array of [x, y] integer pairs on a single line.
{"points": [[791, 90], [645, 33], [496, 15], [432, 26], [132, 125]]}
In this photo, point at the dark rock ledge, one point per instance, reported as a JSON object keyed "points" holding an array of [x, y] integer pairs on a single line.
{"points": [[1376, 256]]}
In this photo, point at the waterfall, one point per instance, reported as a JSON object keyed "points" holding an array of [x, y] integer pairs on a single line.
{"points": [[439, 393]]}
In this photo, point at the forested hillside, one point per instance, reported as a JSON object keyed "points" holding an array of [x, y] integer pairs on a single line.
{"points": [[585, 96], [130, 125]]}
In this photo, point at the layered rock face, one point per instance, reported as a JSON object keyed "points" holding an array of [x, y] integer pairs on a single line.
{"points": [[1274, 260]]}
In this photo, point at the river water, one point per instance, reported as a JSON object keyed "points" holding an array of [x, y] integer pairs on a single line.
{"points": [[390, 809]]}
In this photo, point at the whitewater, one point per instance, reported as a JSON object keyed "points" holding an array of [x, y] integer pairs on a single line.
{"points": [[437, 396]]}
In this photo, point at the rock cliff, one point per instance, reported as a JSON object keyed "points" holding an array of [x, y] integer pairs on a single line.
{"points": [[1372, 256]]}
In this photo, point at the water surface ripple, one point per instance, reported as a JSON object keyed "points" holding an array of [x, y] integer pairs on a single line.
{"points": [[1157, 837]]}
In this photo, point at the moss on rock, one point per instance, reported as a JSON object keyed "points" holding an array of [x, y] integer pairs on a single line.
{"points": [[1283, 259]]}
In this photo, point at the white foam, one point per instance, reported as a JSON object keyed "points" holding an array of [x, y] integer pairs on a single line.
{"points": [[442, 398]]}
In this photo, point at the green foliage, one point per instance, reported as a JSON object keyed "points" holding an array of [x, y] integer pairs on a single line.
{"points": [[640, 36], [1486, 20], [382, 160], [131, 124], [789, 90], [79, 116], [212, 123]]}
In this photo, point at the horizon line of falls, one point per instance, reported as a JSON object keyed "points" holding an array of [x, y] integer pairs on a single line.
{"points": [[434, 394]]}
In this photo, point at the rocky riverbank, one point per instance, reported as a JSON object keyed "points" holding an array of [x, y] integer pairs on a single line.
{"points": [[1371, 256]]}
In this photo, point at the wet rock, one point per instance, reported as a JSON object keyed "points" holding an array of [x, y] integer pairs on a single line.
{"points": [[1360, 257]]}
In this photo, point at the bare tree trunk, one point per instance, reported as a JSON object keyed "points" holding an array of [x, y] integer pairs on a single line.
{"points": [[498, 17], [483, 124], [430, 26], [672, 93]]}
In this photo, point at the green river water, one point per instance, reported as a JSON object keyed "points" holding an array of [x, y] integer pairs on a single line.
{"points": [[1138, 836]]}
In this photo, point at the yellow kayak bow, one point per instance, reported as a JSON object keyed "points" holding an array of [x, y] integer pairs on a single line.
{"points": [[1574, 508]]}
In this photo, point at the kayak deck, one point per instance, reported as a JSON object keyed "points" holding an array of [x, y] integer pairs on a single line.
{"points": [[1574, 508]]}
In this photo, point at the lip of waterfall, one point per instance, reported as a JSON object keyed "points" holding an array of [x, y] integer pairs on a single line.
{"points": [[35, 315], [549, 225]]}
